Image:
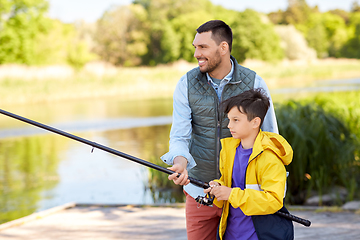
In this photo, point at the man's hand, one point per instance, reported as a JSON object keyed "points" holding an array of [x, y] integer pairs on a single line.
{"points": [[179, 166]]}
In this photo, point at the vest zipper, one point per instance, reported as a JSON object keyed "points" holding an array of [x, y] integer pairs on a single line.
{"points": [[218, 133]]}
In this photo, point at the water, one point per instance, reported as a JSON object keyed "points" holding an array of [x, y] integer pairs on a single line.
{"points": [[40, 170], [339, 85]]}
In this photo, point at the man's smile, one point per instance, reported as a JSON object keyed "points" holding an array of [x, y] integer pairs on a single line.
{"points": [[201, 62]]}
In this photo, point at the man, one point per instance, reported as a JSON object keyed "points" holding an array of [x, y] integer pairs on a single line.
{"points": [[198, 124]]}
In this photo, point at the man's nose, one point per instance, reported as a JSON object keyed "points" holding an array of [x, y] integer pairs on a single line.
{"points": [[197, 53]]}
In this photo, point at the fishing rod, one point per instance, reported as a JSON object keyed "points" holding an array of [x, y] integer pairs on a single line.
{"points": [[199, 183]]}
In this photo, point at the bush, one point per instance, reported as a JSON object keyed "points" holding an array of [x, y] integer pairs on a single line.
{"points": [[325, 150]]}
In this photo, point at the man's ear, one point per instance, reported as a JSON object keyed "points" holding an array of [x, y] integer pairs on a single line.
{"points": [[224, 47], [256, 122]]}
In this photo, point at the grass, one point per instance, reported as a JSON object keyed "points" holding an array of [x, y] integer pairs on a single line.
{"points": [[332, 209], [300, 74], [127, 83], [154, 82]]}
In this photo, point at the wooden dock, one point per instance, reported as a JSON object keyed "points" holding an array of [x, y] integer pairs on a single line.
{"points": [[72, 221]]}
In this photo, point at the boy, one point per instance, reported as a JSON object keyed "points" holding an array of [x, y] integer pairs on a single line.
{"points": [[253, 175]]}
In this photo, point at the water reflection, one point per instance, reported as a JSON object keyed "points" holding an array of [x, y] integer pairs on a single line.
{"points": [[100, 177], [28, 167], [34, 178]]}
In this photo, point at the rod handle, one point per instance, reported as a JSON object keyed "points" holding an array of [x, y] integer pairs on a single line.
{"points": [[291, 217]]}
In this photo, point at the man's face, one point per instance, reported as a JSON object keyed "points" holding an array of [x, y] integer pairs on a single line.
{"points": [[207, 52]]}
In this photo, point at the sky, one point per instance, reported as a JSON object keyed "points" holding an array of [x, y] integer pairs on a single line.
{"points": [[90, 10]]}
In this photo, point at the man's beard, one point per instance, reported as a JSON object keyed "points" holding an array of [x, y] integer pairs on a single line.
{"points": [[212, 64]]}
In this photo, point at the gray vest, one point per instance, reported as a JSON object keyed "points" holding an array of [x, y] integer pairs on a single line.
{"points": [[208, 124]]}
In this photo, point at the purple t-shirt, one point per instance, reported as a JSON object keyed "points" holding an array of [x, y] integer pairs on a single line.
{"points": [[239, 226]]}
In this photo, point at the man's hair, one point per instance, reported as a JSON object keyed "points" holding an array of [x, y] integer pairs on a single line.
{"points": [[254, 103], [220, 31]]}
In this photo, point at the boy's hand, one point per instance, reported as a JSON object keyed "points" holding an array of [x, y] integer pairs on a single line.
{"points": [[179, 166], [221, 192], [212, 185]]}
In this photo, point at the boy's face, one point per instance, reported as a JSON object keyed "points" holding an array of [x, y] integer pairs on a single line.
{"points": [[239, 126]]}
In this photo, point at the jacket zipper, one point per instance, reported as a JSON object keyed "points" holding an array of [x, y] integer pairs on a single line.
{"points": [[218, 135], [248, 166]]}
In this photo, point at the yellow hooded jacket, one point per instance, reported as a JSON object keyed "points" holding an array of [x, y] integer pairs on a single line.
{"points": [[265, 179]]}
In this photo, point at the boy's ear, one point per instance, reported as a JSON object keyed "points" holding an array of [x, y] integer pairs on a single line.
{"points": [[256, 122]]}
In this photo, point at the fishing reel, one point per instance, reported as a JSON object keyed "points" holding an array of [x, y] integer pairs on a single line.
{"points": [[205, 200]]}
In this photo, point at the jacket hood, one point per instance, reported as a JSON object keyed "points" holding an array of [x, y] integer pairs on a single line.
{"points": [[267, 141], [276, 143]]}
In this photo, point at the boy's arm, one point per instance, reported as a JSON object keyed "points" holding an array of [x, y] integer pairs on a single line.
{"points": [[265, 198]]}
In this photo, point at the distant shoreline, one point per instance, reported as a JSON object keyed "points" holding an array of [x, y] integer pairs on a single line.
{"points": [[24, 85]]}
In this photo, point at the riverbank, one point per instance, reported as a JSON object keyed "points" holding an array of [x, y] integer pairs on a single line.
{"points": [[159, 222], [24, 85]]}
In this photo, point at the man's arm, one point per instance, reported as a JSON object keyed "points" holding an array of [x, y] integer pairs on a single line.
{"points": [[180, 134], [270, 123]]}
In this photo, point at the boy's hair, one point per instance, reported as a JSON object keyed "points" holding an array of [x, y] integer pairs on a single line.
{"points": [[254, 103], [220, 31]]}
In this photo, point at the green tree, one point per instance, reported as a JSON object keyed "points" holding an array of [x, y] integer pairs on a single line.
{"points": [[63, 44], [336, 33], [186, 25], [351, 48], [255, 39], [20, 22], [165, 30], [122, 35], [172, 28], [355, 7], [341, 13], [297, 12]]}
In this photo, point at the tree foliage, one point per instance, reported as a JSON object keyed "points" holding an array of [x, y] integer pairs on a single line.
{"points": [[121, 35], [151, 32], [20, 22], [169, 27], [331, 33], [297, 12], [355, 7], [172, 30], [254, 39], [351, 48], [27, 36]]}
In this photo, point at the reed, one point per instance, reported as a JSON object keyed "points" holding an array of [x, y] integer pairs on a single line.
{"points": [[325, 142], [159, 180]]}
